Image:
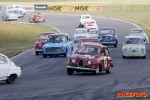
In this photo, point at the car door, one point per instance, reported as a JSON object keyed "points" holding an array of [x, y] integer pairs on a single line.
{"points": [[4, 67], [104, 57]]}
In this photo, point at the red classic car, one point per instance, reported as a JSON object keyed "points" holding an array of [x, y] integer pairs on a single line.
{"points": [[41, 40], [91, 24], [90, 58], [83, 41], [37, 17]]}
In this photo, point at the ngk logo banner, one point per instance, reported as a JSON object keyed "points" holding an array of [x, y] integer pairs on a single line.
{"points": [[74, 8]]}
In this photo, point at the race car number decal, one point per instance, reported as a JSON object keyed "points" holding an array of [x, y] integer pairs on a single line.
{"points": [[105, 62]]}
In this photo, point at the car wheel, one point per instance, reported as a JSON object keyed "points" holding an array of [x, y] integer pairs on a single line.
{"points": [[69, 71], [109, 70], [115, 45], [96, 72], [144, 57], [123, 57], [44, 55], [65, 55], [36, 52], [11, 79]]}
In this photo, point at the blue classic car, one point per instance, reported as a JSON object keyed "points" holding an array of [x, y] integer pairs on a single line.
{"points": [[57, 44], [107, 36]]}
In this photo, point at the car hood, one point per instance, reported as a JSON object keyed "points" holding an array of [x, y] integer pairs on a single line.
{"points": [[93, 35], [47, 45]]}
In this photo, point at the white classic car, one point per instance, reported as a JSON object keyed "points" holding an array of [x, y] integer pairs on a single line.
{"points": [[83, 19], [80, 33], [93, 33], [17, 7], [8, 70], [91, 24], [134, 46], [138, 32]]}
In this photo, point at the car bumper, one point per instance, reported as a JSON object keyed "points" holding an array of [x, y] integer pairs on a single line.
{"points": [[108, 43], [39, 20], [12, 18], [81, 69], [134, 54], [53, 53], [40, 50]]}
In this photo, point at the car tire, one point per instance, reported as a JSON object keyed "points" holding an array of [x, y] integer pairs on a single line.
{"points": [[69, 71], [144, 57], [96, 72], [123, 57], [44, 55], [115, 45], [65, 55], [11, 79], [109, 70], [36, 52]]}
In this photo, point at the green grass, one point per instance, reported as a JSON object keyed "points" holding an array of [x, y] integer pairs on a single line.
{"points": [[18, 37]]}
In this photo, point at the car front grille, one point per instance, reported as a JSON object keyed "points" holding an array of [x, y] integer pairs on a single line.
{"points": [[54, 49], [81, 63], [107, 39]]}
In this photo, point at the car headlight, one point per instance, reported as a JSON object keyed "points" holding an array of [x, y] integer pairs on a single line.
{"points": [[39, 45], [125, 50], [89, 62], [73, 60], [143, 49], [62, 47]]}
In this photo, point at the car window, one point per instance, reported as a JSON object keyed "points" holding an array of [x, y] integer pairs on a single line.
{"points": [[89, 42], [134, 41], [3, 60], [93, 32], [43, 37], [138, 31], [106, 52], [91, 22], [58, 39], [103, 51], [88, 50], [81, 31], [107, 31]]}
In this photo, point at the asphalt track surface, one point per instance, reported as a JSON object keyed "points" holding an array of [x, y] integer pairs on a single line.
{"points": [[47, 79]]}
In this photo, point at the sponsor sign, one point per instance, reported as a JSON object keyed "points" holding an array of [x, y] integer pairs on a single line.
{"points": [[74, 8], [40, 7], [28, 8]]}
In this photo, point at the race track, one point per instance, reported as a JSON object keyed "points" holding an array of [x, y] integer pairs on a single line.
{"points": [[47, 78]]}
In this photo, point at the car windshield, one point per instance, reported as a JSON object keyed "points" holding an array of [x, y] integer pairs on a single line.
{"points": [[89, 42], [43, 37], [88, 17], [93, 32], [81, 31], [9, 12], [88, 50], [58, 38], [138, 31], [91, 22], [107, 31], [134, 41]]}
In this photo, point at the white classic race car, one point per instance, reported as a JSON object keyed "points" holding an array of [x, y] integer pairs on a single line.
{"points": [[80, 33], [90, 24], [8, 70], [93, 33], [17, 7], [83, 19], [138, 32]]}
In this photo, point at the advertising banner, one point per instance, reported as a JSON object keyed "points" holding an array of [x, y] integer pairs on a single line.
{"points": [[74, 8], [28, 8], [40, 7]]}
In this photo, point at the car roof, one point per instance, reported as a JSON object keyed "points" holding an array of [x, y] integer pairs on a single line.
{"points": [[3, 55], [81, 29], [60, 34], [106, 28], [136, 29], [133, 36], [94, 45], [90, 39], [90, 20], [45, 33]]}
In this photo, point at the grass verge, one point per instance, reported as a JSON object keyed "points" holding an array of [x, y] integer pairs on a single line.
{"points": [[18, 37]]}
